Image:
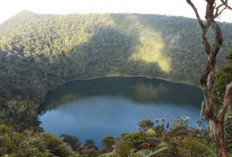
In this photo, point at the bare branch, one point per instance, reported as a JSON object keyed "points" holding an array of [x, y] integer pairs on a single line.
{"points": [[225, 2], [227, 101], [197, 14], [218, 40], [218, 8], [219, 12], [204, 39]]}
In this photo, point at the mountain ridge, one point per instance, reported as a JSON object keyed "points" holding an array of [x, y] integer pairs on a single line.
{"points": [[40, 52]]}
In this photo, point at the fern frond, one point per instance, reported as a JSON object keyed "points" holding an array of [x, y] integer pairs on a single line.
{"points": [[206, 147], [158, 151]]}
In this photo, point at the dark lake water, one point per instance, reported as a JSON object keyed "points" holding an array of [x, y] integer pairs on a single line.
{"points": [[94, 109]]}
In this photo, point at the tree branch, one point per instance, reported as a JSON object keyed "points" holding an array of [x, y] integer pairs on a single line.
{"points": [[197, 14], [208, 76], [227, 101], [219, 12], [225, 2], [204, 39]]}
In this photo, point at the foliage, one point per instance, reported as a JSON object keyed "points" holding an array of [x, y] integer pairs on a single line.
{"points": [[40, 52], [146, 124], [149, 153], [108, 143], [228, 132], [20, 115], [224, 77], [181, 122], [123, 149], [135, 139], [90, 144], [31, 144], [90, 153], [73, 141], [208, 149], [179, 141]]}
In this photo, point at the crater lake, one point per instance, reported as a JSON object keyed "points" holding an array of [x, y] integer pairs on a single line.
{"points": [[110, 106]]}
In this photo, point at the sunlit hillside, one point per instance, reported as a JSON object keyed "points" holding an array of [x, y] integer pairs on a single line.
{"points": [[40, 52]]}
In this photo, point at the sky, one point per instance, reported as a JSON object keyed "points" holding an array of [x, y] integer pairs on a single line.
{"points": [[9, 8]]}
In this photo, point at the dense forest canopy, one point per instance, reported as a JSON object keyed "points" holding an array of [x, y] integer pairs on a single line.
{"points": [[40, 52]]}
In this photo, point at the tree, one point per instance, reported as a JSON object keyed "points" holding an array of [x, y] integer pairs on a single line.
{"points": [[108, 142], [90, 144], [224, 76], [225, 2], [73, 141], [92, 152], [31, 143], [20, 115], [146, 124], [213, 10]]}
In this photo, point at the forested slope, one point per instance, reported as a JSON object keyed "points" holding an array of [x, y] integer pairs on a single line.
{"points": [[40, 52]]}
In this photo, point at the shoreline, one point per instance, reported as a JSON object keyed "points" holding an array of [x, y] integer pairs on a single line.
{"points": [[124, 76], [108, 76]]}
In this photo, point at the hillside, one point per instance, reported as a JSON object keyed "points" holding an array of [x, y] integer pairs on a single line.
{"points": [[40, 52]]}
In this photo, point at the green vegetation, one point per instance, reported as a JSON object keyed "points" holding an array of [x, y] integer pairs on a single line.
{"points": [[160, 140], [145, 125], [163, 141], [224, 77], [40, 52], [71, 140], [32, 144], [20, 115], [108, 143]]}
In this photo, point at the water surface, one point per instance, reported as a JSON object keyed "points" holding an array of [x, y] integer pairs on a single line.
{"points": [[93, 109]]}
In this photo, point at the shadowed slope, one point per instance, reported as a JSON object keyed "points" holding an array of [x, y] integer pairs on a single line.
{"points": [[40, 52]]}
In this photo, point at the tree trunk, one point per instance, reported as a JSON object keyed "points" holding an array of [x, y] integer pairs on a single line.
{"points": [[220, 142]]}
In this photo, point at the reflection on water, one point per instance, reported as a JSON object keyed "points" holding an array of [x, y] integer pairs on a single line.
{"points": [[138, 89], [110, 106]]}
